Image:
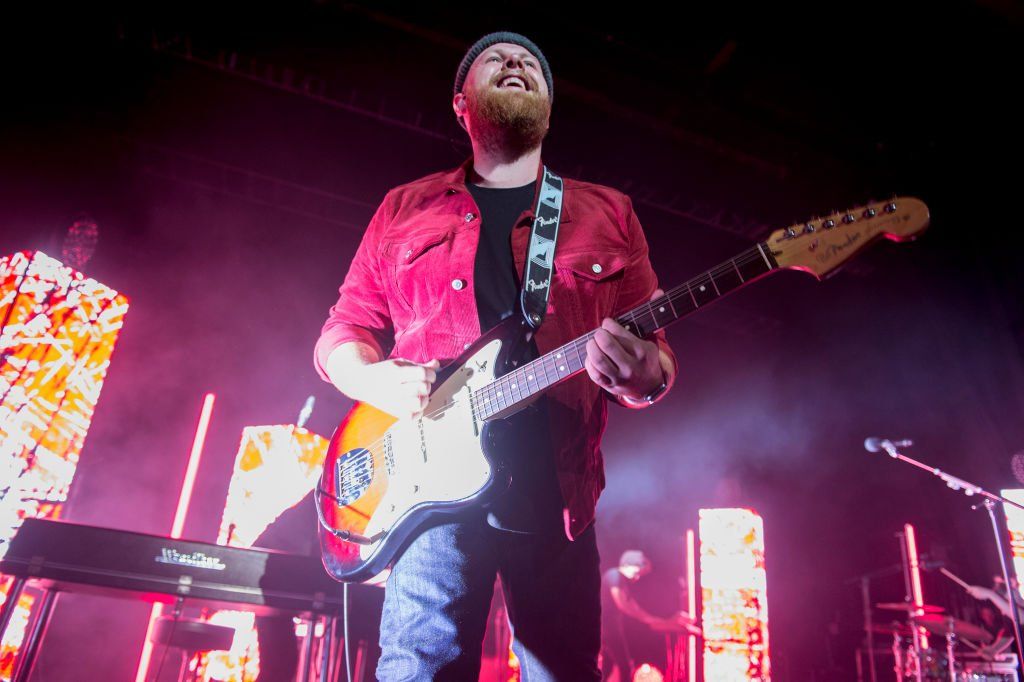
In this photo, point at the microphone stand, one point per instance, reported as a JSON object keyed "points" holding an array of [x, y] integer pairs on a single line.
{"points": [[990, 501]]}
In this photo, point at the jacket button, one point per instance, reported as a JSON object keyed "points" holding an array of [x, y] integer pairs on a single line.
{"points": [[469, 217], [596, 267], [458, 284], [466, 345]]}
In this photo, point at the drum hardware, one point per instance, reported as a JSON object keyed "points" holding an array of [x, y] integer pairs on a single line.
{"points": [[948, 625], [907, 606], [988, 501], [889, 629]]}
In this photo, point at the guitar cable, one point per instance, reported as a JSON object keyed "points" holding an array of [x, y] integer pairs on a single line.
{"points": [[344, 629], [344, 585]]}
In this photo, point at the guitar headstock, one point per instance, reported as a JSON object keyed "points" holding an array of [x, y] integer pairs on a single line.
{"points": [[821, 245]]}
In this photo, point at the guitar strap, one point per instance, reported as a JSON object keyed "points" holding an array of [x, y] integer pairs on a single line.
{"points": [[540, 259]]}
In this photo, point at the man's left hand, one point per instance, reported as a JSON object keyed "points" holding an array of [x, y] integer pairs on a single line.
{"points": [[622, 363]]}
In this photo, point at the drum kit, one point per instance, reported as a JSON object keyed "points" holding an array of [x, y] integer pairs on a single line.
{"points": [[987, 661], [916, 661]]}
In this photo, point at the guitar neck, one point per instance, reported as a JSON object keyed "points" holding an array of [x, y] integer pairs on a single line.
{"points": [[551, 368]]}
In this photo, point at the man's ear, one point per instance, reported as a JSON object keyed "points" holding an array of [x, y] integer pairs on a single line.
{"points": [[459, 107]]}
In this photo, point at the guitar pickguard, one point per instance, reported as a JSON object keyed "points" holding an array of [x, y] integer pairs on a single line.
{"points": [[437, 458]]}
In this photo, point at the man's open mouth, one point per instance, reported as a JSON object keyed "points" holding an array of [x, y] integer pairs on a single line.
{"points": [[513, 82]]}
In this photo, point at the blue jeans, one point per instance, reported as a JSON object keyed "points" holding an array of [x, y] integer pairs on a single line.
{"points": [[439, 594]]}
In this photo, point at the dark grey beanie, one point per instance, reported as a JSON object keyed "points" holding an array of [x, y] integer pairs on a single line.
{"points": [[503, 37]]}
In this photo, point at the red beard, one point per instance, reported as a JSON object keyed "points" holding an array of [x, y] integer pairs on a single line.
{"points": [[510, 119]]}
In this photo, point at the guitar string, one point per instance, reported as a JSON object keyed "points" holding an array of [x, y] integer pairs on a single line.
{"points": [[490, 390], [495, 389], [481, 395], [478, 399]]}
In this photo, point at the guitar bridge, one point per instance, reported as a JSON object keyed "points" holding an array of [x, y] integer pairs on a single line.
{"points": [[354, 473], [389, 455]]}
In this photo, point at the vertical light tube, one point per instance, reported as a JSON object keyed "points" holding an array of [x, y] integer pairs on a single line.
{"points": [[179, 521], [915, 578], [734, 595], [691, 605]]}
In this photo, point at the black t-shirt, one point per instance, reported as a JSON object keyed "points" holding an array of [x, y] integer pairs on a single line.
{"points": [[611, 616], [533, 503]]}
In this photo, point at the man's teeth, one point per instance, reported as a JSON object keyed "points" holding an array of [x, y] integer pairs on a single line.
{"points": [[512, 81]]}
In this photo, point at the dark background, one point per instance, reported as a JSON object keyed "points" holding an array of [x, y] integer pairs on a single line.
{"points": [[231, 155]]}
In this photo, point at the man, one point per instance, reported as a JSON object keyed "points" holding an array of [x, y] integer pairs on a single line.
{"points": [[617, 601], [441, 261], [998, 622]]}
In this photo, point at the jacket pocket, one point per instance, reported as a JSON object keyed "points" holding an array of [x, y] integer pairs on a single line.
{"points": [[590, 281], [419, 266]]}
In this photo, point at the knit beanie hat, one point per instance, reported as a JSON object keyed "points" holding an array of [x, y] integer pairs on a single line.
{"points": [[634, 558], [503, 37]]}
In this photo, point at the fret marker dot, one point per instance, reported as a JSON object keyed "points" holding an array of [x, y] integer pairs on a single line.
{"points": [[661, 309], [561, 368], [499, 394], [702, 287], [513, 385], [558, 355]]}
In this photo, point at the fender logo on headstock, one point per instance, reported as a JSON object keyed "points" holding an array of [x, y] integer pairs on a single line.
{"points": [[834, 250]]}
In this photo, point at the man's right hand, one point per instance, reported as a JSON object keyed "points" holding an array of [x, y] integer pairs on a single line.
{"points": [[399, 387]]}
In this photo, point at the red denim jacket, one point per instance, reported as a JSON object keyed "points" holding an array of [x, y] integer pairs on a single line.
{"points": [[409, 293]]}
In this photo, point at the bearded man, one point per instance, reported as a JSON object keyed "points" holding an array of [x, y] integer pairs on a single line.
{"points": [[441, 261]]}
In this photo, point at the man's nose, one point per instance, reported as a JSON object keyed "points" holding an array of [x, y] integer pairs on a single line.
{"points": [[513, 62]]}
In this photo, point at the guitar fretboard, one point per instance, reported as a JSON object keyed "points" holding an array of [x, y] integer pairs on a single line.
{"points": [[540, 374]]}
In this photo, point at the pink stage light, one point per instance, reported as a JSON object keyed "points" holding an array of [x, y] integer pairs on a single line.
{"points": [[179, 521], [734, 611], [648, 673], [915, 578], [691, 605], [185, 498]]}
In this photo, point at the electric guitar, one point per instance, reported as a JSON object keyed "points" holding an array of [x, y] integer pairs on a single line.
{"points": [[384, 479]]}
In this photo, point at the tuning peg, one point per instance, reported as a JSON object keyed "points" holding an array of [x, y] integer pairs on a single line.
{"points": [[829, 224], [869, 213]]}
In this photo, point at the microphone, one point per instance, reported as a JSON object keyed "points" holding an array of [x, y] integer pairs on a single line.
{"points": [[305, 412], [878, 444]]}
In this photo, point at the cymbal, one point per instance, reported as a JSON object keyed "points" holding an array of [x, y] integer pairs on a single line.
{"points": [[890, 629], [940, 625], [907, 606]]}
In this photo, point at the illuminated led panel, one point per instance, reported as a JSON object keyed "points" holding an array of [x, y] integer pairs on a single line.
{"points": [[276, 466], [15, 630], [1015, 524], [733, 581], [57, 332]]}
